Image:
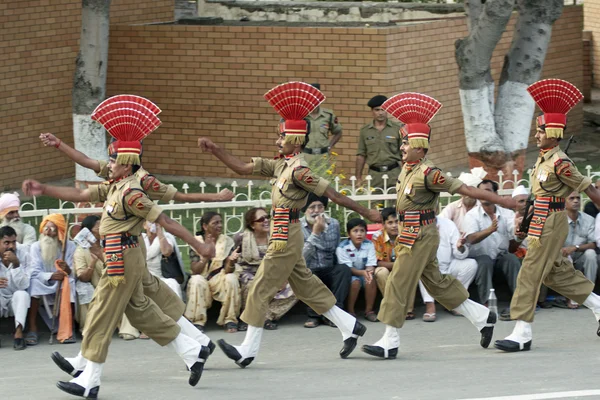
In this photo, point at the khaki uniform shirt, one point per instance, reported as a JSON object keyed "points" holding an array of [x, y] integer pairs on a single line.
{"points": [[545, 181], [412, 194], [293, 180], [155, 189], [126, 206], [320, 127], [380, 148]]}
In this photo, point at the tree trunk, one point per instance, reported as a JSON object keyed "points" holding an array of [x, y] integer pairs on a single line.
{"points": [[473, 56], [89, 83]]}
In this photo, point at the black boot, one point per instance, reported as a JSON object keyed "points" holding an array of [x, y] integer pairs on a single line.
{"points": [[77, 390], [350, 343], [198, 367], [512, 346], [380, 352], [488, 331], [63, 364], [232, 353]]}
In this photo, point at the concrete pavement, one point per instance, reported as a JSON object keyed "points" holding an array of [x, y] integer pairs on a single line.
{"points": [[441, 360]]}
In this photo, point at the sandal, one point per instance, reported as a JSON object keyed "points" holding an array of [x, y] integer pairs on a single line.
{"points": [[561, 303], [329, 323], [410, 316], [429, 317], [270, 325], [143, 336], [242, 327], [371, 316], [231, 327], [31, 339], [19, 344], [312, 322], [70, 340]]}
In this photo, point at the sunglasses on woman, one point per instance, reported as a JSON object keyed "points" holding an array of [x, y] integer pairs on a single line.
{"points": [[262, 219]]}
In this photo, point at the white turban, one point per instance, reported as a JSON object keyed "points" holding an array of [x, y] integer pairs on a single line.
{"points": [[9, 202], [519, 190], [474, 178]]}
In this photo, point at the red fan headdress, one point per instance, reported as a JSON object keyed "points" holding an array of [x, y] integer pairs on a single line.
{"points": [[555, 98], [129, 119], [415, 110], [294, 101]]}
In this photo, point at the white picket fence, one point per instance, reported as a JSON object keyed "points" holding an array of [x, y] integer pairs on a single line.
{"points": [[245, 198]]}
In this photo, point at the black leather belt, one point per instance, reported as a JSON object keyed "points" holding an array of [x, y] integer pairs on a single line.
{"points": [[294, 214], [322, 150], [126, 240], [384, 168], [426, 217]]}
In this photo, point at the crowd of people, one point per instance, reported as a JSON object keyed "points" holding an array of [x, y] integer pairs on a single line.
{"points": [[478, 246]]}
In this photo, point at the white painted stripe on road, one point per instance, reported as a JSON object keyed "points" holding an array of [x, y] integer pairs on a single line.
{"points": [[542, 396]]}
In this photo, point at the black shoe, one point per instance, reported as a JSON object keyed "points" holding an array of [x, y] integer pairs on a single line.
{"points": [[19, 344], [198, 367], [598, 331], [77, 390], [232, 353], [350, 343], [64, 364], [511, 346], [505, 315], [211, 347], [380, 352], [488, 331]]}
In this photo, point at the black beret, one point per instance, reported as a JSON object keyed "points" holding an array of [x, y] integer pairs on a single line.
{"points": [[312, 198], [377, 101], [316, 85]]}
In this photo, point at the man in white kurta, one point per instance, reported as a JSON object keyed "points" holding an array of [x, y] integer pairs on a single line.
{"points": [[9, 216], [14, 281]]}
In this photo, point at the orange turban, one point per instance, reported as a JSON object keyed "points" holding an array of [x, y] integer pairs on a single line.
{"points": [[59, 221]]}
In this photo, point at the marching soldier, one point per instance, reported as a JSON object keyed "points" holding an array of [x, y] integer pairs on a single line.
{"points": [[379, 147], [120, 287], [418, 189], [323, 123], [293, 181], [553, 179]]}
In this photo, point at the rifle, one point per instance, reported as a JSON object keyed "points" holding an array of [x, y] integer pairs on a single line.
{"points": [[527, 216]]}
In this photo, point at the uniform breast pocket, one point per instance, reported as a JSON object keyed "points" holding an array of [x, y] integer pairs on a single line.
{"points": [[392, 144], [371, 144], [324, 129]]}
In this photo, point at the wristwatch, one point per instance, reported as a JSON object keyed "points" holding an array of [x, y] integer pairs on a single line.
{"points": [[576, 247]]}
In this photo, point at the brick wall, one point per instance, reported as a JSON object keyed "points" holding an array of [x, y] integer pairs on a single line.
{"points": [[209, 81], [39, 43], [591, 22]]}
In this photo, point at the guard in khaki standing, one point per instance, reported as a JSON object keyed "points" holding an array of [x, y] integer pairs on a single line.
{"points": [[120, 287], [292, 183], [379, 147], [554, 178], [418, 189], [154, 287], [322, 122]]}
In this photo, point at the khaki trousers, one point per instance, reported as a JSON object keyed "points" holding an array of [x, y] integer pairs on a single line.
{"points": [[377, 178], [420, 263], [545, 264], [278, 267], [109, 303]]}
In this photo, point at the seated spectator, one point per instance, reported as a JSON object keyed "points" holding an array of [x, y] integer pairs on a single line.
{"points": [[49, 267], [358, 254], [161, 249], [457, 210], [14, 281], [590, 208], [9, 216], [580, 245], [452, 256], [214, 279], [253, 243], [490, 230], [520, 194], [321, 238], [88, 261]]}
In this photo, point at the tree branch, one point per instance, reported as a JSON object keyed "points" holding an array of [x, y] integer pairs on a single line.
{"points": [[473, 11]]}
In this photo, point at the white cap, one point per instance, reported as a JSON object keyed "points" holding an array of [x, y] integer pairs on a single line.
{"points": [[474, 178], [520, 190]]}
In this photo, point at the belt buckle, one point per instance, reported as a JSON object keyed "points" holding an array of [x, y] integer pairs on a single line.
{"points": [[384, 168], [316, 151]]}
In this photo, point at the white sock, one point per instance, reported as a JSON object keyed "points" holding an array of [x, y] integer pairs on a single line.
{"points": [[593, 303], [90, 377], [187, 348], [344, 321], [474, 312], [522, 332], [78, 362], [251, 343], [390, 339], [188, 329]]}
